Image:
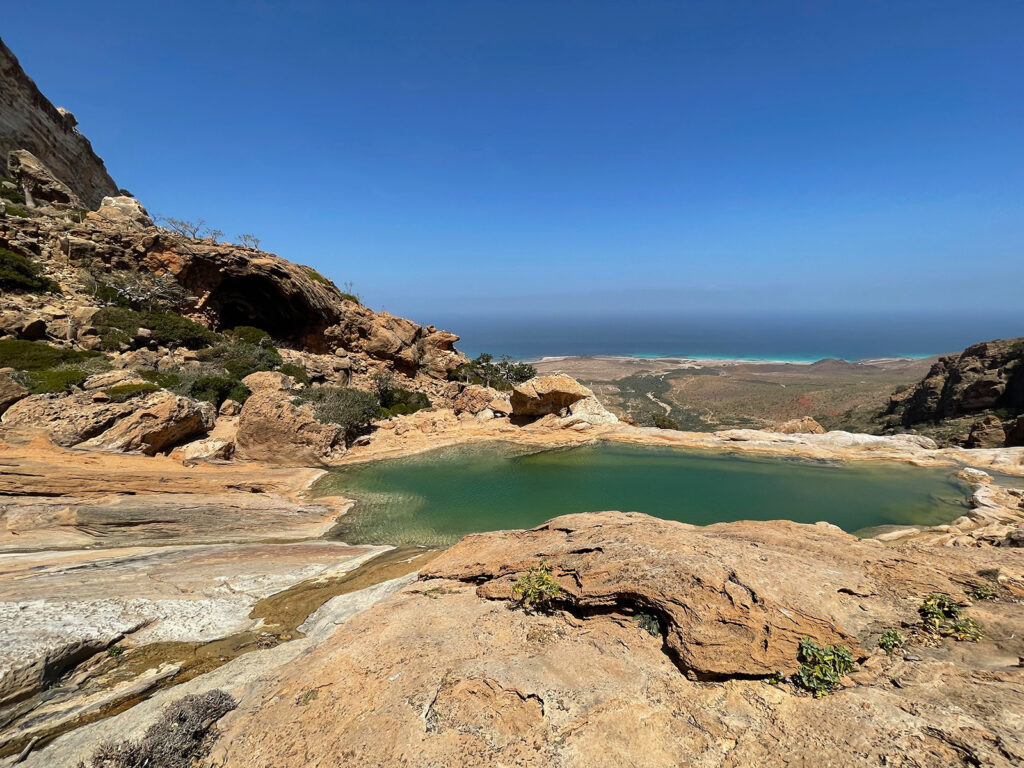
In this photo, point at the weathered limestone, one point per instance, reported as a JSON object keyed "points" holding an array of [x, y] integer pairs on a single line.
{"points": [[802, 426], [272, 428], [542, 395]]}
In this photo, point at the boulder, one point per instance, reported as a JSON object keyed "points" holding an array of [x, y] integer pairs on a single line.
{"points": [[473, 399], [10, 392], [987, 433], [156, 423], [1015, 432], [229, 408], [542, 395], [68, 420], [210, 449], [37, 181], [587, 413], [802, 426], [112, 379], [124, 211], [269, 380], [272, 428]]}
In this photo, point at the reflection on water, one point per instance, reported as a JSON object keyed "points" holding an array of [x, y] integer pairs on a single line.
{"points": [[436, 498]]}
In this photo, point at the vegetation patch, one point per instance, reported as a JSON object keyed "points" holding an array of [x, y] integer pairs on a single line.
{"points": [[351, 409], [12, 195], [536, 590], [239, 359], [25, 355], [124, 392], [248, 334], [982, 592], [891, 641], [484, 371], [179, 739], [119, 326], [662, 421], [16, 210], [297, 372], [649, 623], [216, 389], [54, 381], [394, 400], [822, 667], [943, 616], [21, 275]]}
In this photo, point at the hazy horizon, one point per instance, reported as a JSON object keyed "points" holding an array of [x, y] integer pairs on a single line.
{"points": [[511, 158]]}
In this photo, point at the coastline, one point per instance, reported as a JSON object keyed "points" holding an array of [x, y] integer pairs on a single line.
{"points": [[724, 360]]}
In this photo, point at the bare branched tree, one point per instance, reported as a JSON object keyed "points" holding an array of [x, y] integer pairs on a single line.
{"points": [[214, 234], [249, 241], [193, 229], [137, 288]]}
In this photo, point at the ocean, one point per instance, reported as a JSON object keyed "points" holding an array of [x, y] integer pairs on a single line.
{"points": [[796, 337]]}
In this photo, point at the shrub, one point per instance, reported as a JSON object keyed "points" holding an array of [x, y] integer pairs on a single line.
{"points": [[504, 374], [12, 195], [124, 392], [890, 640], [395, 401], [136, 289], [216, 389], [981, 592], [16, 210], [22, 275], [36, 356], [239, 359], [648, 623], [822, 667], [296, 371], [351, 409], [661, 421], [536, 590], [248, 334], [944, 616], [119, 325], [179, 739], [53, 381]]}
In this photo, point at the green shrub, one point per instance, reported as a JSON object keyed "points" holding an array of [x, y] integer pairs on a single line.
{"points": [[22, 275], [982, 592], [317, 277], [648, 623], [12, 195], [36, 356], [248, 334], [503, 375], [239, 359], [217, 389], [54, 380], [124, 392], [822, 667], [944, 616], [119, 325], [661, 421], [351, 409], [536, 590], [170, 380], [890, 640], [16, 210], [296, 371]]}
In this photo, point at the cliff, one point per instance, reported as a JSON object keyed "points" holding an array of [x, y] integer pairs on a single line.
{"points": [[29, 121]]}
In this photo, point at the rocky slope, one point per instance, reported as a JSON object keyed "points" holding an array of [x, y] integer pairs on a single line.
{"points": [[975, 398], [28, 121]]}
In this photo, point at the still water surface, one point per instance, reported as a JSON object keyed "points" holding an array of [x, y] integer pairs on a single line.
{"points": [[436, 498]]}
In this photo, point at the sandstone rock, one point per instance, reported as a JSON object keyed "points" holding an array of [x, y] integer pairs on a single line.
{"points": [[586, 413], [269, 380], [29, 121], [473, 399], [68, 420], [112, 379], [801, 426], [987, 433], [542, 395], [229, 408], [37, 182], [500, 405], [271, 428], [209, 449], [1015, 432], [160, 421], [10, 392], [124, 211], [461, 679]]}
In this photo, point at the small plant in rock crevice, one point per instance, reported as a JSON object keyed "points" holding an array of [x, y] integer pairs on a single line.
{"points": [[822, 667], [982, 592], [942, 615], [891, 640], [649, 623], [536, 590]]}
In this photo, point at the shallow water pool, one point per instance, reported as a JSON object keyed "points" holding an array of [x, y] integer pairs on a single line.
{"points": [[434, 499]]}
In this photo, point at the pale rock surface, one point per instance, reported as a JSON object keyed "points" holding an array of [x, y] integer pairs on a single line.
{"points": [[67, 420], [272, 428], [10, 392], [801, 426], [38, 182], [124, 211], [543, 395], [270, 381], [156, 423]]}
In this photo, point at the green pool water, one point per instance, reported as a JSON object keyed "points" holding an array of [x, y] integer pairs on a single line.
{"points": [[436, 498]]}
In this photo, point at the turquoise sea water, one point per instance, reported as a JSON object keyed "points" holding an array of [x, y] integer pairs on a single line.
{"points": [[436, 498]]}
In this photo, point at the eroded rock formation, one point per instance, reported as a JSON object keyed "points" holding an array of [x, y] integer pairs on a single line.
{"points": [[28, 121]]}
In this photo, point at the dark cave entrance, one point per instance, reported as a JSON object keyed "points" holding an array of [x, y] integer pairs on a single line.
{"points": [[259, 302]]}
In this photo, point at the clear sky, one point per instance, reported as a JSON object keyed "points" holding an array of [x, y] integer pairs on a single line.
{"points": [[486, 156]]}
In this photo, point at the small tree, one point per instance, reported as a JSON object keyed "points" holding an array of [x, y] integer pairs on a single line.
{"points": [[192, 229], [249, 241]]}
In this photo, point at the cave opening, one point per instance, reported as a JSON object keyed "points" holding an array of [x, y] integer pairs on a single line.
{"points": [[256, 301]]}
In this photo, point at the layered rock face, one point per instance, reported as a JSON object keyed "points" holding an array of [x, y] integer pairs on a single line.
{"points": [[453, 674], [28, 121], [985, 379]]}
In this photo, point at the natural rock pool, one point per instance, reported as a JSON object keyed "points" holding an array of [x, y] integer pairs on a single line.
{"points": [[434, 499]]}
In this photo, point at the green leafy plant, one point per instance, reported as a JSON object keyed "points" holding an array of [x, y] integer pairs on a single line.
{"points": [[536, 590], [297, 372], [124, 392], [250, 335], [16, 210], [503, 374], [661, 421], [351, 409], [56, 380], [822, 667], [239, 359], [115, 652], [12, 195], [890, 640], [982, 592], [21, 275], [216, 389], [942, 615], [648, 623], [118, 326], [25, 355]]}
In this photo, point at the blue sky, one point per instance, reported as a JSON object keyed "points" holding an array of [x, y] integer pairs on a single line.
{"points": [[506, 157]]}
